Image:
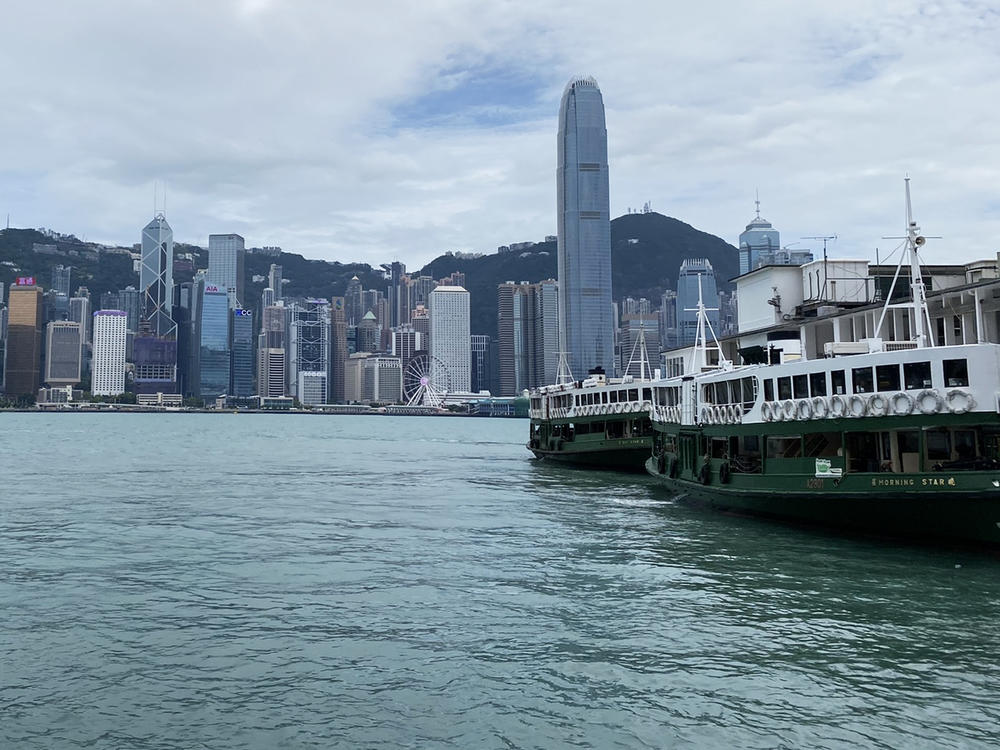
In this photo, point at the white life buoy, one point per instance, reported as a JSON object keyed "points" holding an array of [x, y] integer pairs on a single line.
{"points": [[820, 407], [901, 404], [706, 414], [960, 402], [765, 411], [838, 406], [733, 416], [803, 409], [878, 405], [929, 402], [778, 412], [788, 408], [717, 415], [858, 405]]}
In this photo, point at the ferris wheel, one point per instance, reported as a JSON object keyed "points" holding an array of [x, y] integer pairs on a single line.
{"points": [[426, 381]]}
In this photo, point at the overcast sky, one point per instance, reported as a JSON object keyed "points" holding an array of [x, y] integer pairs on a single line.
{"points": [[385, 131]]}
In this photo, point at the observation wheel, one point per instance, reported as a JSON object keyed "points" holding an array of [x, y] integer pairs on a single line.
{"points": [[426, 381]]}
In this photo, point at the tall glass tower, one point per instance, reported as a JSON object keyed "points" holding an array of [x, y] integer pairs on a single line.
{"points": [[156, 277], [586, 326]]}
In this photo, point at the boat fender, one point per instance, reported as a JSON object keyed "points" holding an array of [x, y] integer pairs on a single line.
{"points": [[838, 406], [804, 410], [929, 402], [789, 409], [724, 473], [765, 411], [878, 405], [901, 404], [705, 475], [661, 463], [820, 407], [960, 402], [858, 405]]}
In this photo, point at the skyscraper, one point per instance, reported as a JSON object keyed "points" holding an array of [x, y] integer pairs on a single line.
{"points": [[354, 301], [338, 349], [24, 340], [271, 377], [451, 345], [528, 333], [694, 271], [213, 322], [275, 281], [757, 240], [156, 277], [79, 312], [241, 369], [226, 259], [108, 367], [130, 301], [310, 342], [63, 353], [584, 216]]}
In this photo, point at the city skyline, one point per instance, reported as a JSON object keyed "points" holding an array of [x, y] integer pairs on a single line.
{"points": [[438, 137]]}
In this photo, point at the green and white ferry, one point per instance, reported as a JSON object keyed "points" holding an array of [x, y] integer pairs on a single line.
{"points": [[896, 435], [597, 423]]}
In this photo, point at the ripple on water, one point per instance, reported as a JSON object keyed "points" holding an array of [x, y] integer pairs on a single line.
{"points": [[282, 581]]}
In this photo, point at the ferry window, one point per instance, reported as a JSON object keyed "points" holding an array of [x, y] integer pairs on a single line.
{"points": [[784, 388], [614, 397], [789, 446], [956, 326], [887, 377], [838, 382], [749, 393], [938, 445], [800, 385], [956, 373], [965, 445], [817, 383], [647, 394], [861, 380], [823, 444], [939, 327], [769, 390], [751, 444], [917, 375], [720, 448], [604, 397], [722, 393], [633, 394]]}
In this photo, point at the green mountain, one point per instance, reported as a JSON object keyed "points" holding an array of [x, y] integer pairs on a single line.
{"points": [[646, 254], [647, 250]]}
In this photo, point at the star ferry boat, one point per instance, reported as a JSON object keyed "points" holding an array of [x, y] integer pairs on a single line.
{"points": [[597, 423], [897, 436]]}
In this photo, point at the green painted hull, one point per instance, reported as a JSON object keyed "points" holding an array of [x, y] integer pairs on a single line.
{"points": [[961, 506], [629, 457]]}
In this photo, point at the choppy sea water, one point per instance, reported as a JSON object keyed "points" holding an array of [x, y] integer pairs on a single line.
{"points": [[238, 581]]}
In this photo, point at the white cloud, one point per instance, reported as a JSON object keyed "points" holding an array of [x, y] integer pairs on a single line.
{"points": [[364, 133]]}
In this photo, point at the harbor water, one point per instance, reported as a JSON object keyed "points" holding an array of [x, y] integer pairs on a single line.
{"points": [[286, 581]]}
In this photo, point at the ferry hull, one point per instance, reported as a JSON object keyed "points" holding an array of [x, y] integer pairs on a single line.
{"points": [[935, 506], [630, 458]]}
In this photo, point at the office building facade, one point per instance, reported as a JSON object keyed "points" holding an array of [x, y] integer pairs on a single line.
{"points": [[451, 346], [241, 378], [226, 265], [63, 353], [156, 277], [695, 271], [586, 324], [24, 340], [213, 324], [107, 376]]}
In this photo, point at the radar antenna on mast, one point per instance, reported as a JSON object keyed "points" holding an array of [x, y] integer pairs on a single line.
{"points": [[918, 293], [699, 355]]}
